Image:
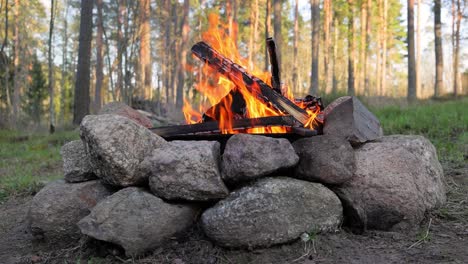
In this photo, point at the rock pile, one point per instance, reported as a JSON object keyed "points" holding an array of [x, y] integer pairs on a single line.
{"points": [[128, 186]]}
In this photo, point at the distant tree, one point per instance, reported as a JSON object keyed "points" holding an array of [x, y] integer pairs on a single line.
{"points": [[456, 21], [351, 48], [438, 49], [277, 9], [184, 34], [51, 70], [36, 92], [81, 99], [314, 77], [411, 95], [99, 57], [144, 86]]}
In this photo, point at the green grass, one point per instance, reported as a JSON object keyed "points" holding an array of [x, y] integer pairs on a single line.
{"points": [[27, 161], [444, 123]]}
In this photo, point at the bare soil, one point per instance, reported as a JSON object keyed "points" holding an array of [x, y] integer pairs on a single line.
{"points": [[441, 238]]}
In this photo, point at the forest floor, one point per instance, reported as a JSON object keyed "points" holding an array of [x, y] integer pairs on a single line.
{"points": [[27, 162]]}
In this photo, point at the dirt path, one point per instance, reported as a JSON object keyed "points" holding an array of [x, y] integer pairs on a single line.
{"points": [[441, 238]]}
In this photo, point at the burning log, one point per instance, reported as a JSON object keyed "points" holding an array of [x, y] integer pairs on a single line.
{"points": [[239, 76], [213, 126], [275, 70]]}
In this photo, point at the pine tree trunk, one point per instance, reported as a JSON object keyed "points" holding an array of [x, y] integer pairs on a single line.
{"points": [[362, 49], [99, 58], [351, 49], [183, 55], [383, 76], [267, 30], [295, 45], [411, 55], [277, 8], [6, 80], [167, 43], [121, 45], [456, 53], [64, 74], [335, 55], [314, 78], [418, 52], [17, 67], [368, 50], [438, 49], [81, 98], [328, 11], [144, 86], [51, 70]]}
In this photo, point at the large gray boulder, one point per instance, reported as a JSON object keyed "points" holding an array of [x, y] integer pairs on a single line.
{"points": [[186, 170], [121, 109], [325, 159], [247, 157], [116, 145], [272, 211], [76, 164], [137, 220], [398, 178], [348, 118], [56, 209]]}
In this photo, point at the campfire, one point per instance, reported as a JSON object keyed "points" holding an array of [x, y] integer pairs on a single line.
{"points": [[243, 99]]}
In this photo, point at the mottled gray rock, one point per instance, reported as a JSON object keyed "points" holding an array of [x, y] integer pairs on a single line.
{"points": [[347, 117], [185, 170], [247, 157], [136, 220], [76, 164], [116, 146], [398, 178], [325, 159], [119, 108], [56, 209], [272, 211]]}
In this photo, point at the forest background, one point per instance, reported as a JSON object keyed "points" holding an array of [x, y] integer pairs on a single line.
{"points": [[61, 60]]}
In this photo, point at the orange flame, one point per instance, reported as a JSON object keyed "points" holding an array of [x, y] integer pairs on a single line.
{"points": [[216, 87]]}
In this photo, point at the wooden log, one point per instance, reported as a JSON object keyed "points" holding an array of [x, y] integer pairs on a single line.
{"points": [[275, 69], [213, 126], [347, 117], [238, 75]]}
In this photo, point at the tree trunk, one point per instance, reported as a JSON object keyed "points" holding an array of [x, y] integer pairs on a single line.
{"points": [[379, 48], [335, 55], [121, 45], [439, 82], [99, 58], [351, 48], [64, 73], [51, 70], [267, 30], [328, 14], [7, 68], [81, 99], [383, 75], [314, 78], [295, 45], [418, 51], [456, 52], [17, 67], [368, 50], [411, 55], [144, 88], [183, 55], [167, 43], [277, 8], [362, 48]]}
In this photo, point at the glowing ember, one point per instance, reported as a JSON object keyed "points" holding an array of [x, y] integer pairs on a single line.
{"points": [[217, 88]]}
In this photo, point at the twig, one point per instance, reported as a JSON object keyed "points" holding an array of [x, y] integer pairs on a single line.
{"points": [[420, 241]]}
